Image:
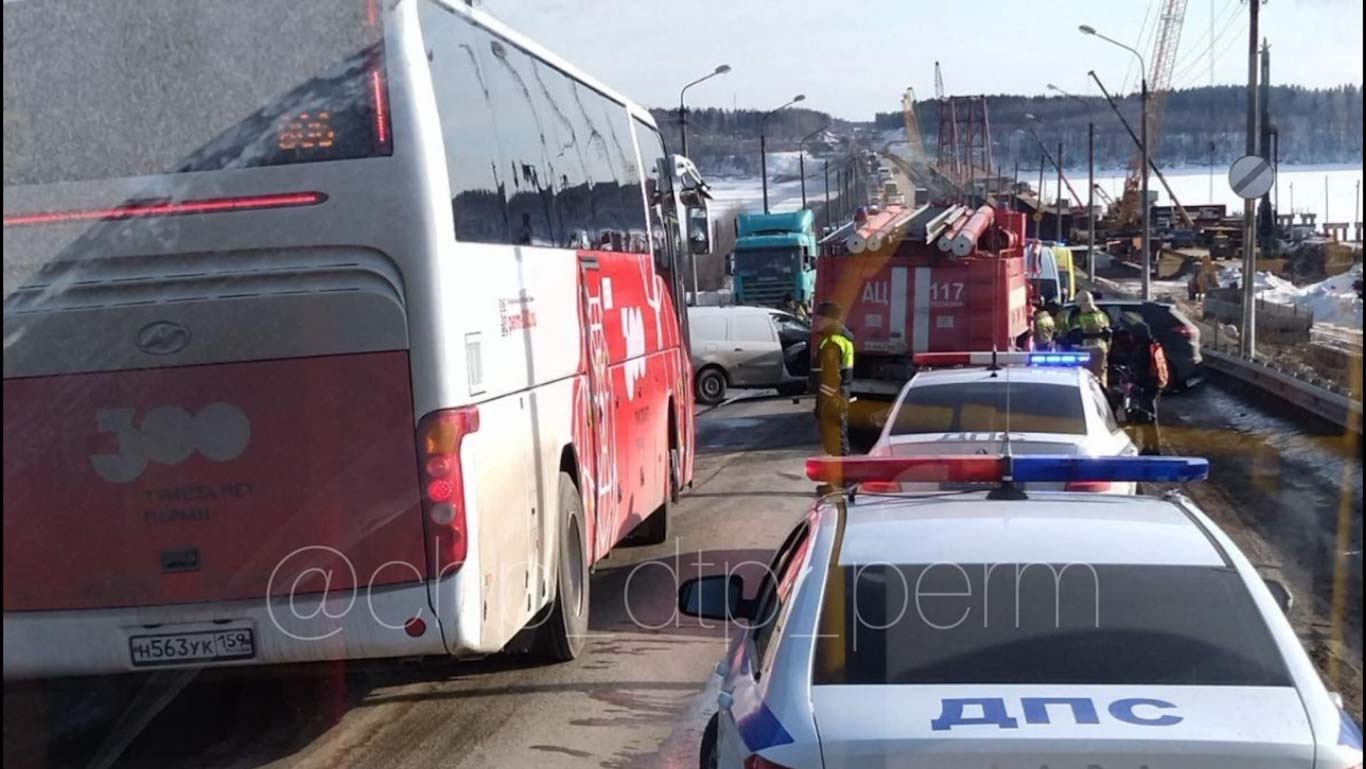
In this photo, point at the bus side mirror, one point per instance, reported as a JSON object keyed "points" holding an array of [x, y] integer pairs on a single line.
{"points": [[699, 231]]}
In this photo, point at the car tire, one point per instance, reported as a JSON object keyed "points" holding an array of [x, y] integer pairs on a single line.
{"points": [[708, 757], [711, 386], [560, 638]]}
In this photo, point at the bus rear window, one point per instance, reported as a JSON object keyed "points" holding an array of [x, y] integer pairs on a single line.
{"points": [[98, 89], [1043, 624], [980, 407]]}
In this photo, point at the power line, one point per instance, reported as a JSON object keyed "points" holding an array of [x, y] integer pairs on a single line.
{"points": [[1138, 44], [1187, 63], [1220, 17], [1228, 44]]}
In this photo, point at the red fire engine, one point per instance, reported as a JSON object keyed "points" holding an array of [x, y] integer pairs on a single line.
{"points": [[930, 279]]}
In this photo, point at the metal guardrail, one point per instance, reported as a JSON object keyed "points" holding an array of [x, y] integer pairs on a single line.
{"points": [[1335, 407], [1316, 399]]}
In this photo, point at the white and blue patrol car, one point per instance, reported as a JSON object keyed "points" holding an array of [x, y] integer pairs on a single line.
{"points": [[1013, 630], [968, 402]]}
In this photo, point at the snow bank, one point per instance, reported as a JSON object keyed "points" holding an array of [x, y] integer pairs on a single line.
{"points": [[1333, 301], [786, 165]]}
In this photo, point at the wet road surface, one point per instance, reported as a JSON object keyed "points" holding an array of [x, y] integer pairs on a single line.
{"points": [[635, 699]]}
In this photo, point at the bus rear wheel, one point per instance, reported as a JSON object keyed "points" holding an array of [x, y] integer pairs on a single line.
{"points": [[561, 637]]}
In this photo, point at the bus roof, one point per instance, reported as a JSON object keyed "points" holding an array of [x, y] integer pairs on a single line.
{"points": [[490, 22]]}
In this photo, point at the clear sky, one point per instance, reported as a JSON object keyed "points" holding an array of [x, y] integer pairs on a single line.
{"points": [[854, 58]]}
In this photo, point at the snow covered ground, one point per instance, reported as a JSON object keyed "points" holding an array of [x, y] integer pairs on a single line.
{"points": [[1333, 301]]}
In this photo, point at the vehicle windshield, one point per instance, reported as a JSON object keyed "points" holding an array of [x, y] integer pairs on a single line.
{"points": [[1045, 288], [768, 261], [987, 407], [1043, 624]]}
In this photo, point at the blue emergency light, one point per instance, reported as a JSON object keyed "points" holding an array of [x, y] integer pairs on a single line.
{"points": [[1034, 468], [1064, 359]]}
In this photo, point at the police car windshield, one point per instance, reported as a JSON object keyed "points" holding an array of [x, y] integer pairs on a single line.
{"points": [[981, 407], [1043, 624]]}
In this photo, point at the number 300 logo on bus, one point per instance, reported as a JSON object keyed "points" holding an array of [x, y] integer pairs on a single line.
{"points": [[169, 435]]}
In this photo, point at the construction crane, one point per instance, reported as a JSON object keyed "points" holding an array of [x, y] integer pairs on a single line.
{"points": [[917, 165], [938, 83], [1105, 196], [1165, 43], [913, 137]]}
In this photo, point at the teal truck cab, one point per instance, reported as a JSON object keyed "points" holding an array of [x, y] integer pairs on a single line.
{"points": [[775, 256]]}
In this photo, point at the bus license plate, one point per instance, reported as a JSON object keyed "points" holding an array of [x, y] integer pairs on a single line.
{"points": [[201, 646]]}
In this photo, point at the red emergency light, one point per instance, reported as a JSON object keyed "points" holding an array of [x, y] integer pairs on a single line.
{"points": [[968, 468]]}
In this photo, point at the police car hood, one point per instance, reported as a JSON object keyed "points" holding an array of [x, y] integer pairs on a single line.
{"points": [[1062, 727]]}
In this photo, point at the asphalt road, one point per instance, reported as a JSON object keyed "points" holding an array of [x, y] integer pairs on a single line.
{"points": [[636, 698]]}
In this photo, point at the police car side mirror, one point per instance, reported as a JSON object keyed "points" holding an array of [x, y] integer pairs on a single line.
{"points": [[717, 596], [1281, 593]]}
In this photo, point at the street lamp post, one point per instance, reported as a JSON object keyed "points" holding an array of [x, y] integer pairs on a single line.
{"points": [[682, 111], [801, 157], [763, 143], [1090, 182], [1143, 147], [826, 165]]}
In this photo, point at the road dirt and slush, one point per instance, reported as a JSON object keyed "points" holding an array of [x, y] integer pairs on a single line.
{"points": [[643, 690]]}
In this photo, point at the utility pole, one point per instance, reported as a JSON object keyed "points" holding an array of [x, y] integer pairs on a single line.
{"points": [[826, 165], [1248, 338], [1091, 200], [1266, 220], [763, 166], [1211, 172], [1015, 188], [1042, 160], [1147, 203], [1059, 201]]}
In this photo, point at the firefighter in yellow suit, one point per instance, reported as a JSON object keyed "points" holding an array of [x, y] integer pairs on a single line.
{"points": [[835, 357]]}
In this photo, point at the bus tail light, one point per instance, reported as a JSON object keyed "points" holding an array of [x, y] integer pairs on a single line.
{"points": [[439, 435]]}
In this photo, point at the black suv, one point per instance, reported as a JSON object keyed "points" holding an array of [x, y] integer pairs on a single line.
{"points": [[1179, 337]]}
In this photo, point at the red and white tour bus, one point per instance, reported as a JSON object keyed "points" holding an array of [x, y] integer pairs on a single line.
{"points": [[332, 329]]}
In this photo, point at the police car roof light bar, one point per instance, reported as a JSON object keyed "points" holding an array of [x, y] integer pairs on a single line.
{"points": [[994, 360], [1035, 468]]}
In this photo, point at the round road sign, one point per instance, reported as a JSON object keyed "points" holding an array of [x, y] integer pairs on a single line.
{"points": [[1250, 177]]}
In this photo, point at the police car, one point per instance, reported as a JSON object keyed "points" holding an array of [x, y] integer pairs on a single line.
{"points": [[1011, 629], [968, 402]]}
